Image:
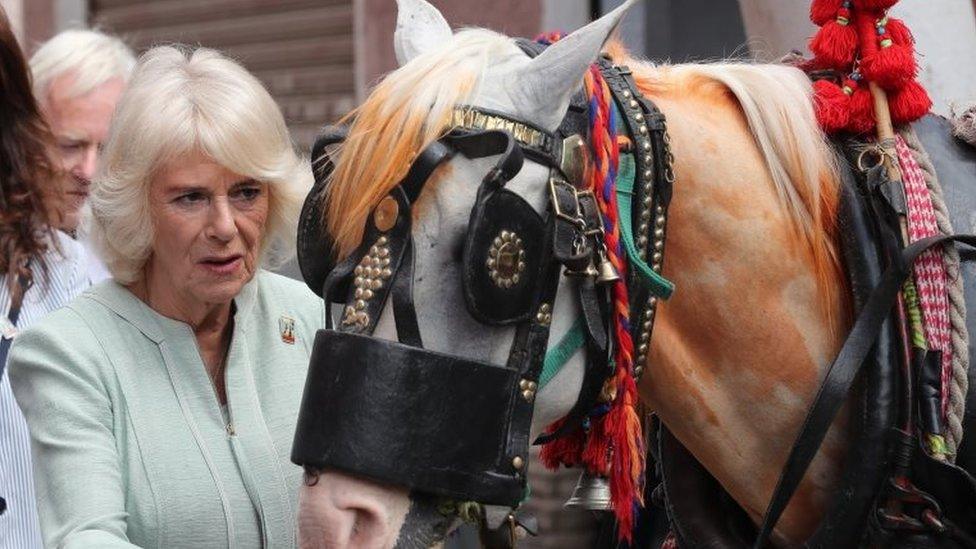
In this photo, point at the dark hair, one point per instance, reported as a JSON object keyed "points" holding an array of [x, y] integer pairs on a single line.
{"points": [[27, 173]]}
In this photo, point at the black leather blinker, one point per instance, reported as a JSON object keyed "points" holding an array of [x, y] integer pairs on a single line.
{"points": [[502, 257]]}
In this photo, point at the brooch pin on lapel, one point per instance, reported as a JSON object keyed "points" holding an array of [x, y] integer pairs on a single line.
{"points": [[286, 327]]}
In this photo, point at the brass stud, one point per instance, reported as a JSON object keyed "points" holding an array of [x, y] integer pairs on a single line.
{"points": [[634, 103], [652, 300], [544, 315], [639, 117], [659, 245], [658, 233], [627, 94], [506, 259], [657, 257], [524, 384], [385, 215], [648, 174], [646, 145], [648, 159], [533, 386], [518, 462], [528, 395], [645, 215], [642, 129], [660, 220]]}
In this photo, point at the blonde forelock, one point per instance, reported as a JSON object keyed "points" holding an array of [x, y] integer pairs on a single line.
{"points": [[406, 111]]}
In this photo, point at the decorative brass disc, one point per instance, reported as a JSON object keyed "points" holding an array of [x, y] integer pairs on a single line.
{"points": [[506, 259], [385, 215]]}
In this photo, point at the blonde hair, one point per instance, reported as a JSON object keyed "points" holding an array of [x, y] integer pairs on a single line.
{"points": [[407, 111], [180, 101], [92, 57]]}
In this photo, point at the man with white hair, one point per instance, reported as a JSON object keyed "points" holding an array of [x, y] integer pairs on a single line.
{"points": [[78, 77]]}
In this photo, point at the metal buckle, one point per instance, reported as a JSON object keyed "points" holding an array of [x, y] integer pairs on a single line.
{"points": [[595, 228], [555, 186]]}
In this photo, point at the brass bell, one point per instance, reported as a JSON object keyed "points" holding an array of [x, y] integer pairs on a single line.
{"points": [[608, 274], [592, 493]]}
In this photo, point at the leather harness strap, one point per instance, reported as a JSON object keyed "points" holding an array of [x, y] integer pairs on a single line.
{"points": [[840, 377]]}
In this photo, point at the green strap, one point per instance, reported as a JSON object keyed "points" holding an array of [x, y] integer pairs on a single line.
{"points": [[558, 356], [658, 285]]}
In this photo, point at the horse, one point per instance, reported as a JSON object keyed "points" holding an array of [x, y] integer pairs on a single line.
{"points": [[762, 304]]}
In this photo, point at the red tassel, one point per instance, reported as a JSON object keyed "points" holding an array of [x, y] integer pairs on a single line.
{"points": [[873, 5], [909, 103], [832, 105], [562, 451], [824, 11], [899, 32], [836, 42], [862, 111], [890, 67]]}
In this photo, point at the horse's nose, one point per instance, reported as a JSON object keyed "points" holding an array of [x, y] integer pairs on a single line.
{"points": [[339, 512]]}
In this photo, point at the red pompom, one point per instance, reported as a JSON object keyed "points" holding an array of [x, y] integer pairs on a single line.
{"points": [[899, 32], [909, 103], [890, 67], [862, 111], [832, 105], [835, 44], [869, 5], [824, 11]]}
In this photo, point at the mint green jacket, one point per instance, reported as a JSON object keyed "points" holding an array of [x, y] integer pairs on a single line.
{"points": [[130, 444]]}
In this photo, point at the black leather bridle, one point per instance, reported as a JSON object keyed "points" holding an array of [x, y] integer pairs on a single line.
{"points": [[395, 412]]}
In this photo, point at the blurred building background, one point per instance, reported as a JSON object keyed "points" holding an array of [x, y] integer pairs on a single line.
{"points": [[319, 57]]}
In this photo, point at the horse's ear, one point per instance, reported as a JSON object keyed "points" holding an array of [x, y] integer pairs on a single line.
{"points": [[420, 28], [548, 82]]}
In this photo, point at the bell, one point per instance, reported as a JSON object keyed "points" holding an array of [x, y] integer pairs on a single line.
{"points": [[608, 274], [592, 493], [590, 270]]}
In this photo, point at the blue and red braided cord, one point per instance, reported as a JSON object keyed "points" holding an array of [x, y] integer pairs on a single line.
{"points": [[611, 443]]}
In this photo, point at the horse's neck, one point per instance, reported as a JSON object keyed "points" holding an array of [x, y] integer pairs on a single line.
{"points": [[740, 349]]}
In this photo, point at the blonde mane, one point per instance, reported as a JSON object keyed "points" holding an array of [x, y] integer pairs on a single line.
{"points": [[777, 102], [407, 111]]}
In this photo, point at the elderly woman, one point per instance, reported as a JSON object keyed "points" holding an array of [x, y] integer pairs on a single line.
{"points": [[162, 404]]}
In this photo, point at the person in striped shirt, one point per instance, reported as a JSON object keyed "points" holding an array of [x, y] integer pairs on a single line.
{"points": [[42, 269], [78, 77]]}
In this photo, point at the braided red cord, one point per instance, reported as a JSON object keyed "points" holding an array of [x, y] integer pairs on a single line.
{"points": [[611, 444]]}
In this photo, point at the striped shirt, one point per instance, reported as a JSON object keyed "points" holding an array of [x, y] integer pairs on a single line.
{"points": [[67, 277]]}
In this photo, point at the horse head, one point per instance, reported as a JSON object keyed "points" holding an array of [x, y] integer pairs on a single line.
{"points": [[392, 133]]}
